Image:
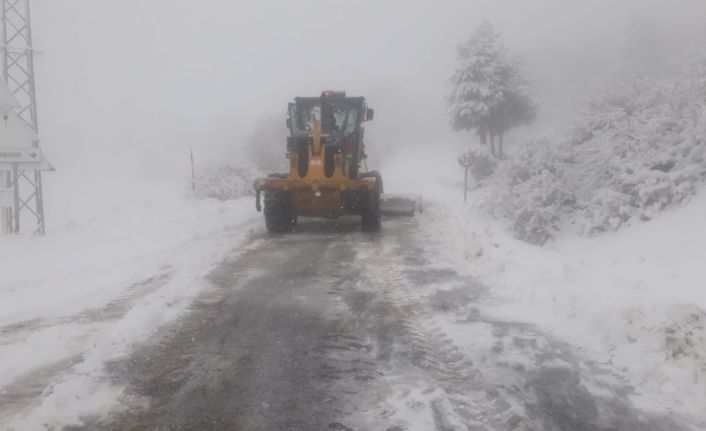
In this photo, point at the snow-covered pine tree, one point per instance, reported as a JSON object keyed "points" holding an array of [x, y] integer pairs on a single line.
{"points": [[489, 94]]}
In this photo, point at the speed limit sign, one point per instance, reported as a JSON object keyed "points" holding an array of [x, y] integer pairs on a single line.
{"points": [[466, 160]]}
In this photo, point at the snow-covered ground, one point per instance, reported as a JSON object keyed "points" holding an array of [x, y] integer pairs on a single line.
{"points": [[634, 298], [88, 291]]}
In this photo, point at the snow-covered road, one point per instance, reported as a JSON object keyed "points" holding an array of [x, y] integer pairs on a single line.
{"points": [[330, 328]]}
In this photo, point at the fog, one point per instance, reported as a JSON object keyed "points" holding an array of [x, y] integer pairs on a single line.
{"points": [[550, 278], [127, 87]]}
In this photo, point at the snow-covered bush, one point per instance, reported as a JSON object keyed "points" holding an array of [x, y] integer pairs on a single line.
{"points": [[226, 181], [637, 149], [261, 152], [641, 150], [528, 191], [484, 165]]}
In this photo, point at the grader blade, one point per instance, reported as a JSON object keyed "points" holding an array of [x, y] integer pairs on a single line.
{"points": [[400, 204]]}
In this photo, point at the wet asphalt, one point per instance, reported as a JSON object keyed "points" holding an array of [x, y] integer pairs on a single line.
{"points": [[330, 328]]}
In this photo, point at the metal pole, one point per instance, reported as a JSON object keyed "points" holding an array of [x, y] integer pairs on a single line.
{"points": [[39, 202], [3, 40], [16, 212], [29, 52], [4, 214], [465, 185]]}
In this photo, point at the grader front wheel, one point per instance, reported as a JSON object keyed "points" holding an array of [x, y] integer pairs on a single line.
{"points": [[370, 210]]}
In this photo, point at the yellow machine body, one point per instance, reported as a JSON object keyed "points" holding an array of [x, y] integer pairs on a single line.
{"points": [[316, 194]]}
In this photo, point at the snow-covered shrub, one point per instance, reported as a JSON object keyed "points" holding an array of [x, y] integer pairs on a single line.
{"points": [[685, 334], [539, 204], [636, 150], [226, 181], [608, 210], [261, 152], [527, 191], [484, 165]]}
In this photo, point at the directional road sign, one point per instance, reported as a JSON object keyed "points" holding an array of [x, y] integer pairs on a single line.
{"points": [[20, 155]]}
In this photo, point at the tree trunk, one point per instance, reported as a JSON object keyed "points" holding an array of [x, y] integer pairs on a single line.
{"points": [[492, 145], [500, 146], [483, 137]]}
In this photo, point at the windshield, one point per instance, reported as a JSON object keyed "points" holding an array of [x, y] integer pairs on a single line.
{"points": [[304, 116], [345, 119], [337, 117]]}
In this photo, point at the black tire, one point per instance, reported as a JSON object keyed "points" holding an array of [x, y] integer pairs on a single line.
{"points": [[370, 210], [278, 213]]}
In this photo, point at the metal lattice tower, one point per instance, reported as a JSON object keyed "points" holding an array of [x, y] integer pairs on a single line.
{"points": [[18, 72]]}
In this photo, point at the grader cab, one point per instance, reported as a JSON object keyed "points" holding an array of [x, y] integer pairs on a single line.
{"points": [[325, 150]]}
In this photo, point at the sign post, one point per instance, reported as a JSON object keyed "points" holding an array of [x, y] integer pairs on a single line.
{"points": [[466, 161]]}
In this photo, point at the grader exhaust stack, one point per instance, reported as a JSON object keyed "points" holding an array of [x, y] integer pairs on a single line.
{"points": [[325, 150]]}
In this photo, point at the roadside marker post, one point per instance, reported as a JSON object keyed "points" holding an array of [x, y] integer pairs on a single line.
{"points": [[466, 161]]}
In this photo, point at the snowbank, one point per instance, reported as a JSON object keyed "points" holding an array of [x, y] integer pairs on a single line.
{"points": [[83, 295], [226, 181], [87, 261], [635, 298]]}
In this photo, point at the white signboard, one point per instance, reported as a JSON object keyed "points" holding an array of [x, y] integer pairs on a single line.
{"points": [[20, 155]]}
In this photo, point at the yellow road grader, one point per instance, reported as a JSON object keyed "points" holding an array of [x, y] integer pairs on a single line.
{"points": [[325, 150]]}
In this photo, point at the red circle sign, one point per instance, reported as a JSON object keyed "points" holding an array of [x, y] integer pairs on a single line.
{"points": [[466, 160]]}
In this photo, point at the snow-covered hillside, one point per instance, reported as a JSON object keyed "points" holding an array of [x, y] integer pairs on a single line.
{"points": [[639, 147]]}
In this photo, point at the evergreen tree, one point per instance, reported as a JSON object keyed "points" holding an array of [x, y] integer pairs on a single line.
{"points": [[489, 93]]}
